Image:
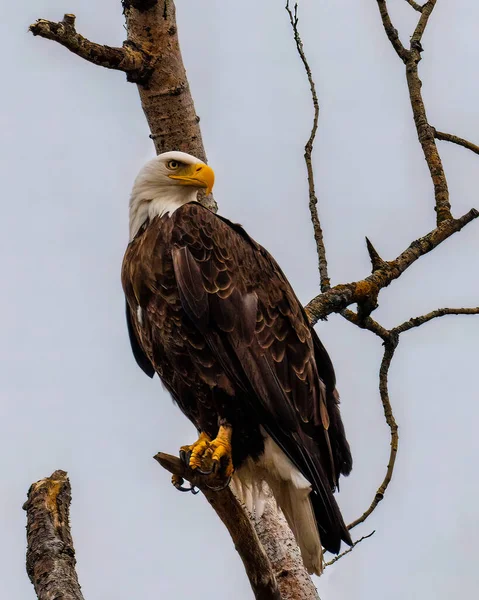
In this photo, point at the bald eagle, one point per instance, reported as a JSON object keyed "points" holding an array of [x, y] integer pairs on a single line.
{"points": [[210, 311]]}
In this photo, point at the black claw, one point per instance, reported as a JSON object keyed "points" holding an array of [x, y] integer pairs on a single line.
{"points": [[220, 487], [185, 457], [181, 488], [205, 472]]}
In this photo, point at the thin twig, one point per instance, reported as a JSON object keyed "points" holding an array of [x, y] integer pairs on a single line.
{"points": [[256, 563], [308, 149], [440, 312], [389, 349], [130, 58], [50, 553], [367, 290], [415, 5], [350, 549], [448, 137]]}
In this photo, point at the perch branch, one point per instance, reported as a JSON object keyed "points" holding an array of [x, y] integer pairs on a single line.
{"points": [[350, 549], [308, 150], [415, 5], [130, 58], [440, 312], [50, 553], [366, 291], [389, 349], [448, 137], [256, 563]]}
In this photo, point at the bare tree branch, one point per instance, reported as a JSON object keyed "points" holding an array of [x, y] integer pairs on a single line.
{"points": [[368, 323], [425, 132], [415, 5], [391, 32], [130, 58], [389, 349], [336, 558], [50, 553], [256, 563], [448, 137], [422, 23], [440, 312], [366, 290], [308, 149]]}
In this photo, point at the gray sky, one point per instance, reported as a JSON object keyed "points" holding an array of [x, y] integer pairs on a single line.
{"points": [[73, 139]]}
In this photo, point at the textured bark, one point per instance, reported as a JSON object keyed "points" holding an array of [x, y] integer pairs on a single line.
{"points": [[50, 554], [280, 545]]}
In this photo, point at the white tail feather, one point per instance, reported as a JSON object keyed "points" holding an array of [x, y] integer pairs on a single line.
{"points": [[291, 491]]}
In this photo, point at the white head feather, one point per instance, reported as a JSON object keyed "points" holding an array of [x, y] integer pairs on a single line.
{"points": [[155, 192]]}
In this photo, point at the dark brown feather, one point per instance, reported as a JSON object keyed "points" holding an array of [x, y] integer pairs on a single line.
{"points": [[228, 337]]}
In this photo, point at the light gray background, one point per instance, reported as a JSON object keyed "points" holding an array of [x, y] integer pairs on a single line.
{"points": [[73, 139]]}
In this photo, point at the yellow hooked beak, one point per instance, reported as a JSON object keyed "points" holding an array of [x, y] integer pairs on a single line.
{"points": [[199, 175]]}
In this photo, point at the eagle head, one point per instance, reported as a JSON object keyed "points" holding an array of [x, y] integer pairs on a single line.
{"points": [[164, 184]]}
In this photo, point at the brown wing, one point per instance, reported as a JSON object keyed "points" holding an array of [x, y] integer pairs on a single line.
{"points": [[241, 302]]}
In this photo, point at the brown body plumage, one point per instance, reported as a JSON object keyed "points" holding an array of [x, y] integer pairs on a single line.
{"points": [[211, 312]]}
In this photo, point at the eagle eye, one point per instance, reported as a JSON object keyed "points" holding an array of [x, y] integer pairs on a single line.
{"points": [[173, 165]]}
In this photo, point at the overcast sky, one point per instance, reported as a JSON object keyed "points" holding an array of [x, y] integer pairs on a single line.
{"points": [[73, 137]]}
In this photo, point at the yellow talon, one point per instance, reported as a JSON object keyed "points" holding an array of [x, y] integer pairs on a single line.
{"points": [[197, 450], [211, 456]]}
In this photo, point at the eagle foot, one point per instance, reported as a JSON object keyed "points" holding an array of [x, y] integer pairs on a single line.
{"points": [[211, 458]]}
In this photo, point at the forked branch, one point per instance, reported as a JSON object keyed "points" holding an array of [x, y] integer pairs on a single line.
{"points": [[366, 291], [130, 59]]}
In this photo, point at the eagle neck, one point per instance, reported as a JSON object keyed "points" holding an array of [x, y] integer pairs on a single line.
{"points": [[145, 206]]}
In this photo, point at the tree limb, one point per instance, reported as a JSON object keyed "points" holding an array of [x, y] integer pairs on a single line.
{"points": [[308, 149], [224, 503], [425, 132], [422, 23], [391, 31], [440, 312], [129, 59], [448, 137], [366, 290], [50, 553], [389, 349]]}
